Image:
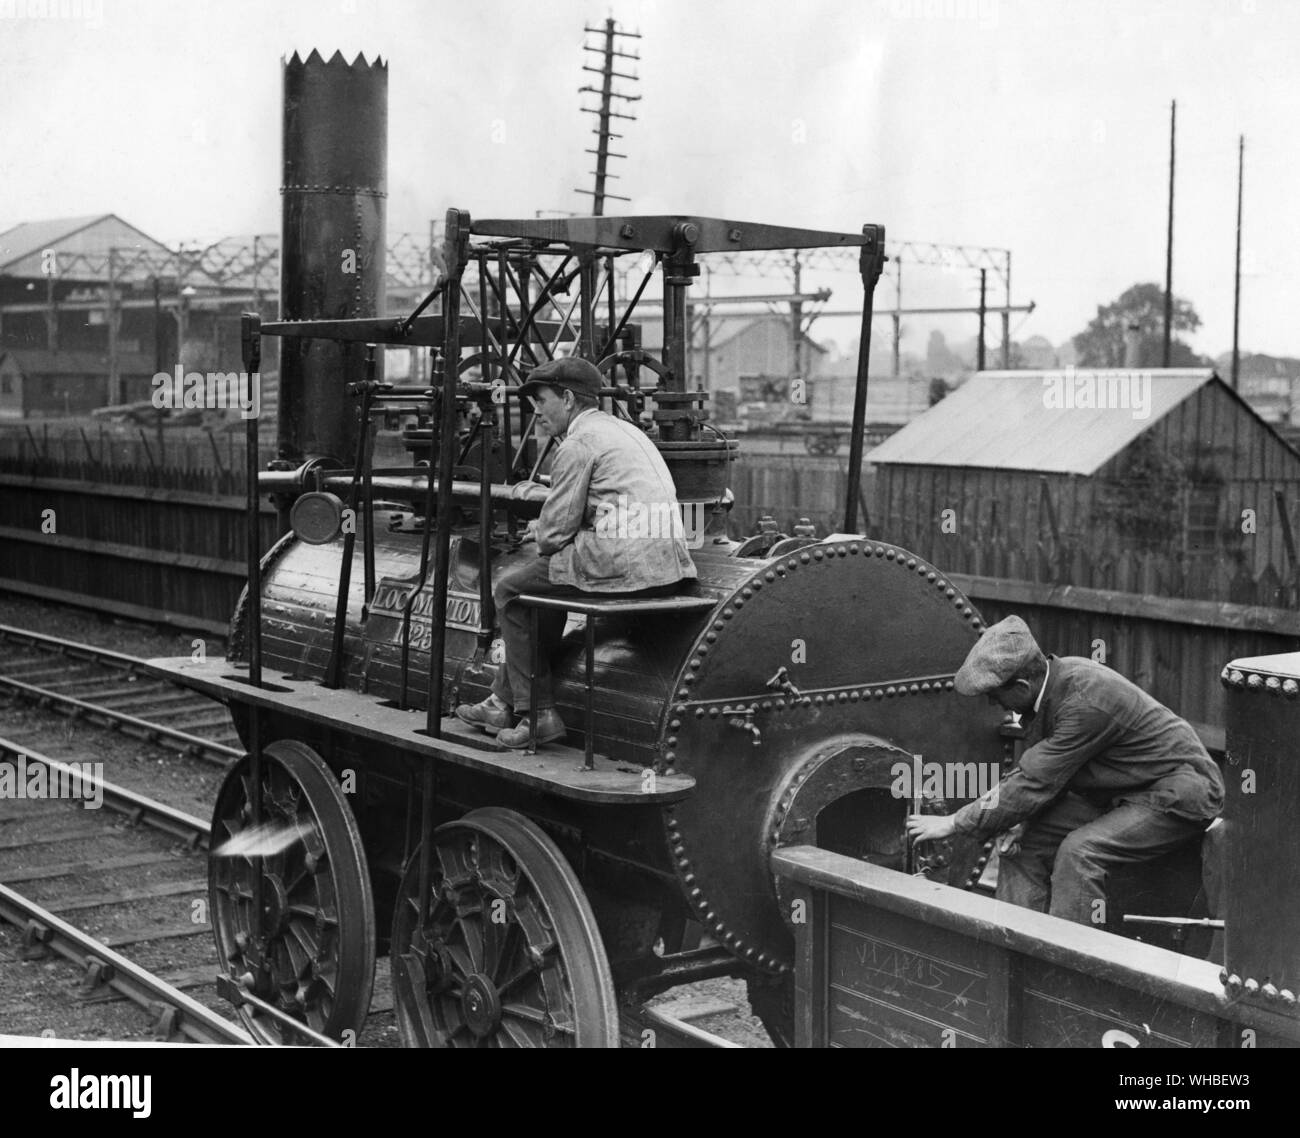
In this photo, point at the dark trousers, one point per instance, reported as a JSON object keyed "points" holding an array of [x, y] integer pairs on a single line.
{"points": [[1068, 850], [533, 576]]}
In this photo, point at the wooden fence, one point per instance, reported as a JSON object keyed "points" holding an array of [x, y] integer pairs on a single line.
{"points": [[172, 545], [137, 522], [176, 458], [1232, 541], [790, 487], [1077, 601]]}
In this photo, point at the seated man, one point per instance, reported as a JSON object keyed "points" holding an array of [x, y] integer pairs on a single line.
{"points": [[1113, 777], [606, 471]]}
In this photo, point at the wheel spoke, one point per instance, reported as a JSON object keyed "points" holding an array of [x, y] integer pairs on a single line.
{"points": [[505, 982], [298, 954], [524, 1012], [460, 961], [323, 944], [509, 949], [524, 972], [301, 932], [409, 979], [515, 1033], [471, 933]]}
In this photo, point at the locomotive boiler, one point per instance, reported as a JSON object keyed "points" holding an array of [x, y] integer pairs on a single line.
{"points": [[526, 899]]}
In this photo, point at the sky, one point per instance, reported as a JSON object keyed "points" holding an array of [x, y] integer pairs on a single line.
{"points": [[1038, 126]]}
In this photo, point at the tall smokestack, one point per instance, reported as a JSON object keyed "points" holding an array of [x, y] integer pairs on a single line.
{"points": [[1133, 346], [333, 218]]}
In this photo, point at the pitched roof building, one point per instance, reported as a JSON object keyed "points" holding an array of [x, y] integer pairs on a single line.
{"points": [[1148, 481]]}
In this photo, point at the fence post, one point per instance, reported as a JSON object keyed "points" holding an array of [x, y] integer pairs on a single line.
{"points": [[216, 454], [148, 452], [1288, 540]]}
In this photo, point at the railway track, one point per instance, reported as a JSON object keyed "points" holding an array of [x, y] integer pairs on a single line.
{"points": [[65, 869], [56, 854], [119, 691]]}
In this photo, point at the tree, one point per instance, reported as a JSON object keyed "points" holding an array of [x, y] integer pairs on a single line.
{"points": [[940, 360], [1101, 344]]}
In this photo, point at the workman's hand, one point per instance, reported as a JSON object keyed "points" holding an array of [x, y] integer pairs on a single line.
{"points": [[530, 531], [525, 488], [930, 827], [1009, 841]]}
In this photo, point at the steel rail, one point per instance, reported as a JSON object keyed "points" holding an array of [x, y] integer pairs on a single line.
{"points": [[135, 665], [124, 976], [196, 745], [74, 648], [667, 1031], [192, 1019], [195, 832]]}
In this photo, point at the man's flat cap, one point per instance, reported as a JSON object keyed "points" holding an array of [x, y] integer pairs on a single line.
{"points": [[1003, 650], [572, 372]]}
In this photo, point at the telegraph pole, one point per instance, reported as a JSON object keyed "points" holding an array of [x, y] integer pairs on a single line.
{"points": [[1169, 240], [796, 325], [609, 51], [1236, 281], [980, 346]]}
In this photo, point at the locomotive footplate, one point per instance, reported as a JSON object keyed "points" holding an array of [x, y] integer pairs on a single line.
{"points": [[557, 769]]}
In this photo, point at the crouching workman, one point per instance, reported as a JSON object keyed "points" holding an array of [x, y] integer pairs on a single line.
{"points": [[1112, 776], [610, 525]]}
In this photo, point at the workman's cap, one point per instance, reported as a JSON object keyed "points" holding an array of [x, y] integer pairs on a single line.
{"points": [[998, 656], [571, 372]]}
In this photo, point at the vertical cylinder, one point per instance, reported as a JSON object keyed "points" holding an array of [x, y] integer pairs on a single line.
{"points": [[1133, 345], [333, 219]]}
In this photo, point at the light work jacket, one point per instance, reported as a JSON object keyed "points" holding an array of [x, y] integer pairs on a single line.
{"points": [[611, 523]]}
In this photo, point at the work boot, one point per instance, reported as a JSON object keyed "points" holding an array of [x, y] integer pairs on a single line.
{"points": [[492, 714], [549, 728]]}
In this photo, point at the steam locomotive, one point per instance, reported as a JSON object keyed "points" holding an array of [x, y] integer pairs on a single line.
{"points": [[528, 900], [523, 898]]}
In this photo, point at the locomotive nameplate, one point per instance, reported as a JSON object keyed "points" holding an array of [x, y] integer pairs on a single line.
{"points": [[463, 612]]}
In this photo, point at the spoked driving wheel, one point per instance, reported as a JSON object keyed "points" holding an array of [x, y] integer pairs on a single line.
{"points": [[311, 951], [510, 955]]}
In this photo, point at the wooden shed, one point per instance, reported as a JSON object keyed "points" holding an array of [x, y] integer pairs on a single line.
{"points": [[1163, 482]]}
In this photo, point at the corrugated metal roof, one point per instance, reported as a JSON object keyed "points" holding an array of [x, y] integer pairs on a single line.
{"points": [[1032, 420], [92, 237], [32, 236]]}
